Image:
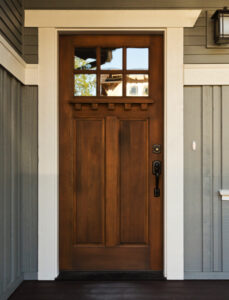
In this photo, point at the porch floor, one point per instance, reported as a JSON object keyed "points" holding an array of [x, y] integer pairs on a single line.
{"points": [[141, 290]]}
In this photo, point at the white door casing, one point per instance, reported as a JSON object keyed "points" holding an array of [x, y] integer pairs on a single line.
{"points": [[171, 23]]}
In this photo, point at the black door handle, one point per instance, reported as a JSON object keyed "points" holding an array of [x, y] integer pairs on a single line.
{"points": [[156, 169]]}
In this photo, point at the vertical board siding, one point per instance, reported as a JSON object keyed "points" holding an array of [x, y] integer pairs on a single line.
{"points": [[17, 256], [206, 110], [29, 180], [193, 198], [217, 170], [207, 176], [11, 23], [225, 175], [10, 200]]}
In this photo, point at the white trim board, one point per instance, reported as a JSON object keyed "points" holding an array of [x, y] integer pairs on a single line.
{"points": [[224, 194], [108, 18], [48, 123], [12, 62], [206, 74]]}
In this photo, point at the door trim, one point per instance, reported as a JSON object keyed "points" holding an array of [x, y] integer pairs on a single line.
{"points": [[48, 267]]}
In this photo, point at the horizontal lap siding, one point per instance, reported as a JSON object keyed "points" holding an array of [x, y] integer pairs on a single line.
{"points": [[18, 193], [206, 171], [11, 23], [195, 45], [30, 53], [195, 40]]}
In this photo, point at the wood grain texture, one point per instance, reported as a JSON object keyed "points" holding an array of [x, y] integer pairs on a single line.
{"points": [[134, 183], [89, 181], [112, 182], [98, 233]]}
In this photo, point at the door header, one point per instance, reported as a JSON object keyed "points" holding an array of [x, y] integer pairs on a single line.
{"points": [[108, 18]]}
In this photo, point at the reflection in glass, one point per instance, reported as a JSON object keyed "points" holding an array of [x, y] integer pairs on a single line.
{"points": [[111, 85], [85, 85], [137, 58], [137, 85], [85, 59], [111, 58]]}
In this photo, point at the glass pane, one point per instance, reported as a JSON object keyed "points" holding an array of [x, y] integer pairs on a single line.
{"points": [[137, 58], [224, 25], [85, 59], [85, 85], [137, 85], [111, 85], [111, 58]]}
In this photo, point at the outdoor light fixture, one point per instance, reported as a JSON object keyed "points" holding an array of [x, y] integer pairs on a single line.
{"points": [[221, 26]]}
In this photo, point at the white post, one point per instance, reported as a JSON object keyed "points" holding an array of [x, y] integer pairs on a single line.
{"points": [[48, 156], [174, 198]]}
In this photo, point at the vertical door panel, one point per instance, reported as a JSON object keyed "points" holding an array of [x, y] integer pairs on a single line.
{"points": [[89, 181], [133, 181]]}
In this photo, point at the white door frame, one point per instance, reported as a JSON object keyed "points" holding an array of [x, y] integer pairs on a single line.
{"points": [[50, 23]]}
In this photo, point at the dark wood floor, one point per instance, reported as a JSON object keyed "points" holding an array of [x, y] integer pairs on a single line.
{"points": [[142, 290]]}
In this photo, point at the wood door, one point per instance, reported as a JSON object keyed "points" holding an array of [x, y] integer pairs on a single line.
{"points": [[110, 119]]}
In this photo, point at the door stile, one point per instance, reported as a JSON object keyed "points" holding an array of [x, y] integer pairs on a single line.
{"points": [[112, 182]]}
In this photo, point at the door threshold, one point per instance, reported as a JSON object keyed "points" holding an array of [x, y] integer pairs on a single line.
{"points": [[110, 275]]}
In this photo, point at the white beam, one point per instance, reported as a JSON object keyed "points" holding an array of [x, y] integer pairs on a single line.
{"points": [[111, 18]]}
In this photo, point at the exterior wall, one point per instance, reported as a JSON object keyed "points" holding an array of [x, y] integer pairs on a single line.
{"points": [[29, 180], [11, 23], [18, 199], [206, 171], [30, 47], [195, 39], [197, 49]]}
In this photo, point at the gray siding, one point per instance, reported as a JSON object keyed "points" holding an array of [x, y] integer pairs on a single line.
{"points": [[11, 22], [195, 39], [18, 197], [29, 180], [30, 47], [196, 50], [206, 171]]}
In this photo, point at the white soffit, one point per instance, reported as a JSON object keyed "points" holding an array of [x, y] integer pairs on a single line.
{"points": [[111, 18]]}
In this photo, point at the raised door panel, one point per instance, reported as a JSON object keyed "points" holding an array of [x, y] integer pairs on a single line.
{"points": [[133, 138], [89, 181]]}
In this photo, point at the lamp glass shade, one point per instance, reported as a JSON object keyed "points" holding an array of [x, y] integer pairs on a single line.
{"points": [[221, 26]]}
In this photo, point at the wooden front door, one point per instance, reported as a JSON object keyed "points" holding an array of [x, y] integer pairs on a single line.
{"points": [[110, 133]]}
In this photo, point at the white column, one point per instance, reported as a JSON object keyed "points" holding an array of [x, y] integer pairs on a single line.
{"points": [[174, 197], [48, 156]]}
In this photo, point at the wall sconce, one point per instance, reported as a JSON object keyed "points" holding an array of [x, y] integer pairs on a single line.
{"points": [[221, 26]]}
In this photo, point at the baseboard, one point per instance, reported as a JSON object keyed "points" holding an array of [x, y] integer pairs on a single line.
{"points": [[206, 275], [11, 288], [110, 275]]}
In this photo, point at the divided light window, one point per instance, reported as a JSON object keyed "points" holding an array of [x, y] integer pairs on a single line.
{"points": [[111, 72]]}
